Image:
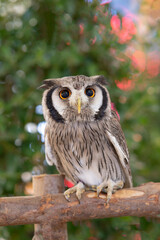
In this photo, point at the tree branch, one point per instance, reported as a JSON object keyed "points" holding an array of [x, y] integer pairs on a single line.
{"points": [[139, 201]]}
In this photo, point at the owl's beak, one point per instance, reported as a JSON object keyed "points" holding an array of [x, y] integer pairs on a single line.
{"points": [[79, 105]]}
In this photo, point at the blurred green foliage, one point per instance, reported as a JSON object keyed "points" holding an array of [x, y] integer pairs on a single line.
{"points": [[42, 39]]}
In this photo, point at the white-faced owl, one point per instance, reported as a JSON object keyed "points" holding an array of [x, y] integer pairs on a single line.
{"points": [[83, 136]]}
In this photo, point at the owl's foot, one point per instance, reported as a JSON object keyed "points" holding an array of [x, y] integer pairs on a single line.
{"points": [[109, 187], [78, 189]]}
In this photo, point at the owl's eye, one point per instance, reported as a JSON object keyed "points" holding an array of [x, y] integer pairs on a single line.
{"points": [[64, 93], [90, 92]]}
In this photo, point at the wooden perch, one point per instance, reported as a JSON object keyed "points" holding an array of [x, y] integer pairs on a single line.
{"points": [[43, 185], [139, 201]]}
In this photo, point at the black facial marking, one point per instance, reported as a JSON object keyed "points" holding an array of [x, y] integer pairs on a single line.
{"points": [[53, 112], [100, 114]]}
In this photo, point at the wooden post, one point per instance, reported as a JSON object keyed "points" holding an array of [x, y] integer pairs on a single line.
{"points": [[44, 185]]}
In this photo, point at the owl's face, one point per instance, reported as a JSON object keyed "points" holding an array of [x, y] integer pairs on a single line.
{"points": [[77, 98]]}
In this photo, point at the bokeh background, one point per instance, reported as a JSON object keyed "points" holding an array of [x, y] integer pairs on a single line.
{"points": [[42, 39]]}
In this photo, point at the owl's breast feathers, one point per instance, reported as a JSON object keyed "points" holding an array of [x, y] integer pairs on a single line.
{"points": [[89, 152]]}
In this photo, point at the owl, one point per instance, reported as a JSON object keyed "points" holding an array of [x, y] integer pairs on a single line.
{"points": [[83, 136]]}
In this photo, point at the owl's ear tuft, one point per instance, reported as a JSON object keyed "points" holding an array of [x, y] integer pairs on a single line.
{"points": [[101, 79], [48, 83]]}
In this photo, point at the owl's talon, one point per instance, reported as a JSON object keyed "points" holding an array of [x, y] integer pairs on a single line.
{"points": [[99, 190], [109, 187], [78, 189], [118, 185], [102, 187], [79, 193], [68, 192], [67, 196], [113, 187]]}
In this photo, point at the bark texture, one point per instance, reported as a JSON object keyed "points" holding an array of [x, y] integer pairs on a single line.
{"points": [[138, 201]]}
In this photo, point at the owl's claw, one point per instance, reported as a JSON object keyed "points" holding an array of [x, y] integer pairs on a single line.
{"points": [[99, 189], [78, 189], [110, 187]]}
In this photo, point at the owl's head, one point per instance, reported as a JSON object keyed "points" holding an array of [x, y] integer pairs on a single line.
{"points": [[75, 98]]}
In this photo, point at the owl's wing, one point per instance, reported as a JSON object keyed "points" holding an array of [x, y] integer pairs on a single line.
{"points": [[117, 138], [50, 153]]}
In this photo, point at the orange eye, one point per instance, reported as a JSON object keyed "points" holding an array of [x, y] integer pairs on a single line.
{"points": [[65, 93], [90, 92]]}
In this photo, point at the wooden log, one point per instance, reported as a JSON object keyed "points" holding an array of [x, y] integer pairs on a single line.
{"points": [[139, 201], [43, 185]]}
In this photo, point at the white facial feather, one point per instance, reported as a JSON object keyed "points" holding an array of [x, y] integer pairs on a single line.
{"points": [[58, 103], [97, 100], [78, 94], [90, 105]]}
